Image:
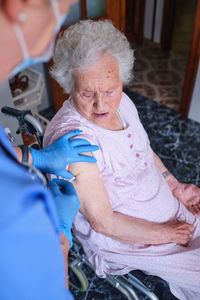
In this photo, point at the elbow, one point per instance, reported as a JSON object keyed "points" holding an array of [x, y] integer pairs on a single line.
{"points": [[101, 226]]}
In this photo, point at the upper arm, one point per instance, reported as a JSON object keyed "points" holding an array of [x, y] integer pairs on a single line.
{"points": [[95, 204]]}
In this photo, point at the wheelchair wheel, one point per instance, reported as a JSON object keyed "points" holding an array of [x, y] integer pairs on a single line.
{"points": [[77, 278]]}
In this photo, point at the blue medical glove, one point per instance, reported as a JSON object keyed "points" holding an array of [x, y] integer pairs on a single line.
{"points": [[56, 157], [67, 204]]}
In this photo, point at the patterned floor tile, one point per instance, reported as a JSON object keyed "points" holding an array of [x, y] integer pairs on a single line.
{"points": [[159, 75]]}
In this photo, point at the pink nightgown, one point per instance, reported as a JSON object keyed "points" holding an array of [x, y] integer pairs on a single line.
{"points": [[135, 187]]}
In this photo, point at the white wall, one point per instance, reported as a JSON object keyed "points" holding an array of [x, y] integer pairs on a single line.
{"points": [[158, 21], [46, 101], [148, 20], [194, 112]]}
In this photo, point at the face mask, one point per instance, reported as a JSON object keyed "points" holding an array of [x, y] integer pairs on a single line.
{"points": [[47, 54]]}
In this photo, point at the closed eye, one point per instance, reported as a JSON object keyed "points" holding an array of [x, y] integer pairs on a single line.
{"points": [[87, 95], [109, 93]]}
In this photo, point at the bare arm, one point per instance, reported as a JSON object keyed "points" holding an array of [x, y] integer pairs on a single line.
{"points": [[161, 167], [96, 208], [171, 179], [188, 194], [65, 250]]}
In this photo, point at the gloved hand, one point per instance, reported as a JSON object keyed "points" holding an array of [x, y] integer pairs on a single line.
{"points": [[55, 158], [67, 204]]}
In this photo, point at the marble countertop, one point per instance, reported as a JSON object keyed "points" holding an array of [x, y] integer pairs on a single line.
{"points": [[176, 140]]}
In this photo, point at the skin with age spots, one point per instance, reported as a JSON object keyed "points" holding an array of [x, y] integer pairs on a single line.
{"points": [[97, 93]]}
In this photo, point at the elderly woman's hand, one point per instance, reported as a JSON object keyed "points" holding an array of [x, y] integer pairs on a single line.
{"points": [[188, 194], [178, 232]]}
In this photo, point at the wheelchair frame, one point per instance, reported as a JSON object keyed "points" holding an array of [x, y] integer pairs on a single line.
{"points": [[128, 284]]}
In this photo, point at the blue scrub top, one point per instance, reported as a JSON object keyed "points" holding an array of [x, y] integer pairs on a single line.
{"points": [[31, 261]]}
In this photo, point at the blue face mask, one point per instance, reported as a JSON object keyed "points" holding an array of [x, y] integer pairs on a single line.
{"points": [[47, 54]]}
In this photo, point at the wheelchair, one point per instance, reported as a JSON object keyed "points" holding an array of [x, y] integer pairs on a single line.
{"points": [[135, 285]]}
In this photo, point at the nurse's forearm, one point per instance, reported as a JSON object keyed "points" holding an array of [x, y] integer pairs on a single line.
{"points": [[19, 155], [65, 250]]}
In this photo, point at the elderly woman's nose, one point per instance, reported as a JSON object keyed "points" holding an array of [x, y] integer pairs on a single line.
{"points": [[99, 101]]}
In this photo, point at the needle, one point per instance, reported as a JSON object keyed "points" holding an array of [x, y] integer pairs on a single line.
{"points": [[73, 178]]}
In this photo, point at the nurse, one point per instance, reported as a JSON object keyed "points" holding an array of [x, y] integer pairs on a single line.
{"points": [[31, 260]]}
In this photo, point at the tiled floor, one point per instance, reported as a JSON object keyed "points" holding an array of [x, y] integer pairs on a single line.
{"points": [[159, 75]]}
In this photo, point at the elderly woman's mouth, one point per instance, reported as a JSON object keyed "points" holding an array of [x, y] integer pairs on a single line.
{"points": [[100, 115]]}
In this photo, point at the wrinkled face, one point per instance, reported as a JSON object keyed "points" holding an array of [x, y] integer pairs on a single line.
{"points": [[97, 92]]}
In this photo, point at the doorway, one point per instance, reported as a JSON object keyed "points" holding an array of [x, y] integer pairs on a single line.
{"points": [[162, 56]]}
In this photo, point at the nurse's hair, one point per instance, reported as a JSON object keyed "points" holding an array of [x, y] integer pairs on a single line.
{"points": [[79, 47]]}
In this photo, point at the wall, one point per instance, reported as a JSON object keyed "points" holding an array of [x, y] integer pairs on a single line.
{"points": [[74, 14], [194, 112], [148, 19], [153, 31], [183, 26], [47, 98], [8, 122], [158, 21]]}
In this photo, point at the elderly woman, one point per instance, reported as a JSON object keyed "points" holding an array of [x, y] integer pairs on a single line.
{"points": [[134, 214]]}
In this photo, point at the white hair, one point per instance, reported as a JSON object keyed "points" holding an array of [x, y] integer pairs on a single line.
{"points": [[81, 44]]}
